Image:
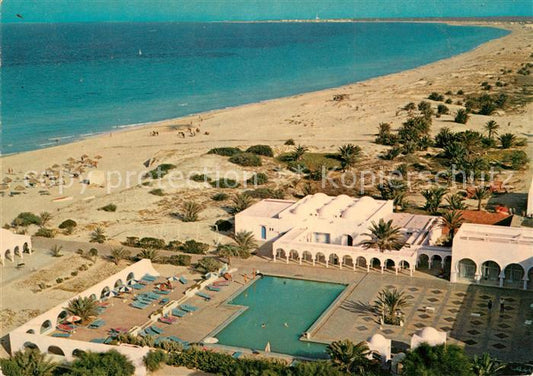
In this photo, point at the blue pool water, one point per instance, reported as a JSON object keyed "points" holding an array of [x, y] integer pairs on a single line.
{"points": [[63, 81], [275, 302]]}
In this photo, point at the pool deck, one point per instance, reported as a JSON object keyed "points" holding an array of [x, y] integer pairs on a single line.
{"points": [[450, 309]]}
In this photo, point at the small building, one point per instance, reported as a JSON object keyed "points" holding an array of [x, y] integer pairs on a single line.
{"points": [[12, 245], [493, 255], [380, 345], [321, 229]]}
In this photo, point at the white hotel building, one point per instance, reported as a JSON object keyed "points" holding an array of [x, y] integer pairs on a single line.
{"points": [[328, 231]]}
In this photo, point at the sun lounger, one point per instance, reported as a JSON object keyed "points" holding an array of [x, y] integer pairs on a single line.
{"points": [[203, 295], [100, 310], [177, 340], [138, 286], [188, 308], [98, 340], [221, 283], [139, 305], [167, 320], [152, 295], [65, 328], [156, 329], [213, 288], [148, 278], [178, 312], [164, 301], [149, 331], [61, 335], [183, 280], [96, 324], [236, 354], [162, 292]]}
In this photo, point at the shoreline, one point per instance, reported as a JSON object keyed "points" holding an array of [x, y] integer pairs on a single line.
{"points": [[122, 128]]}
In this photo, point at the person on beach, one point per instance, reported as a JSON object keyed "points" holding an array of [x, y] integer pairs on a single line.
{"points": [[502, 306], [489, 305]]}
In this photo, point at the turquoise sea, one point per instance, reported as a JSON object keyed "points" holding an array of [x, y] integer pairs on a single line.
{"points": [[65, 81], [279, 311]]}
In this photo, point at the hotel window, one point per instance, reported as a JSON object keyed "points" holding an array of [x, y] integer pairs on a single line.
{"points": [[263, 232], [322, 237]]}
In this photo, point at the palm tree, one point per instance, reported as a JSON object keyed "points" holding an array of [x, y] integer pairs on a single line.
{"points": [[190, 210], [389, 304], [149, 253], [492, 128], [507, 140], [461, 116], [245, 240], [56, 250], [453, 219], [45, 218], [98, 235], [456, 202], [383, 236], [485, 365], [348, 357], [29, 362], [480, 194], [84, 307], [299, 151], [348, 155], [241, 201], [228, 251], [118, 254], [433, 198]]}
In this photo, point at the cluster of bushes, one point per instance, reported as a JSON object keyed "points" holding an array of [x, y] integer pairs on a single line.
{"points": [[485, 104], [157, 192], [25, 219], [208, 265], [160, 171], [200, 178], [221, 196], [436, 97], [246, 159], [259, 178], [225, 151], [225, 183], [189, 246], [263, 193], [263, 150]]}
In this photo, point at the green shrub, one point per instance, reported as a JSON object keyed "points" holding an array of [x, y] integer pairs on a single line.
{"points": [[174, 245], [208, 265], [132, 241], [461, 116], [26, 218], [66, 224], [442, 109], [460, 92], [518, 159], [258, 179], [224, 183], [74, 273], [263, 193], [436, 97], [157, 192], [102, 364], [264, 150], [178, 260], [149, 242], [109, 208], [246, 159], [449, 101], [59, 280], [161, 170], [45, 232], [200, 178], [225, 151], [154, 360], [194, 247], [219, 196], [223, 225], [289, 142]]}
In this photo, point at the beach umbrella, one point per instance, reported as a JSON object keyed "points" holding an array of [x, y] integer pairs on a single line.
{"points": [[267, 347], [19, 188], [7, 180], [73, 319]]}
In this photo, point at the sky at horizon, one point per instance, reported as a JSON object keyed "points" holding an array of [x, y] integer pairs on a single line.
{"points": [[21, 11]]}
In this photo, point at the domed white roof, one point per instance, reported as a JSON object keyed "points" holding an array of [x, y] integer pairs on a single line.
{"points": [[377, 340], [430, 334], [333, 207], [360, 210], [310, 204]]}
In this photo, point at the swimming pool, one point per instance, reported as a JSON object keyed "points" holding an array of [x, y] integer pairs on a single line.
{"points": [[279, 311]]}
